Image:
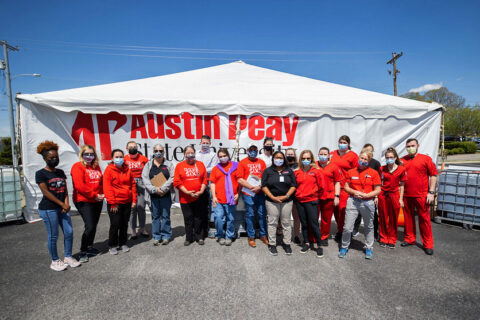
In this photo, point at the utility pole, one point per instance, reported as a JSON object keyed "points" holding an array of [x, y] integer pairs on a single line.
{"points": [[7, 47], [393, 61]]}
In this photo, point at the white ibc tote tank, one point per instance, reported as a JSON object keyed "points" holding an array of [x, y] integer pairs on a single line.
{"points": [[10, 194]]}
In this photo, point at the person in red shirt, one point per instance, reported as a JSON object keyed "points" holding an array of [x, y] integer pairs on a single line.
{"points": [[121, 194], [136, 162], [419, 194], [224, 188], [250, 172], [310, 188], [87, 196], [190, 179], [390, 200], [345, 159], [330, 199], [363, 185]]}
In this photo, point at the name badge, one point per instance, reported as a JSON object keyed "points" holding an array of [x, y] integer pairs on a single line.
{"points": [[282, 179], [354, 178]]}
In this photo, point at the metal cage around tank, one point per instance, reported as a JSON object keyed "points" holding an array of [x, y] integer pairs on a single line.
{"points": [[10, 194]]}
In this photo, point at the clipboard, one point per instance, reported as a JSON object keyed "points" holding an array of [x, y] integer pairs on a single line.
{"points": [[159, 180]]}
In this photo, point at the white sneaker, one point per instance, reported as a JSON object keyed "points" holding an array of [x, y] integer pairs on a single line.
{"points": [[125, 248], [72, 262], [58, 265], [113, 251]]}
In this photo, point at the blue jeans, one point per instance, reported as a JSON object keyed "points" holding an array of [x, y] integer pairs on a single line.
{"points": [[52, 219], [224, 212], [252, 204], [161, 224]]}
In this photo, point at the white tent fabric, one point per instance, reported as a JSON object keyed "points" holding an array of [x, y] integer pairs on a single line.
{"points": [[298, 112]]}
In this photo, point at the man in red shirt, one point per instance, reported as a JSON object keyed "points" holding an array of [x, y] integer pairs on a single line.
{"points": [[419, 195], [136, 161]]}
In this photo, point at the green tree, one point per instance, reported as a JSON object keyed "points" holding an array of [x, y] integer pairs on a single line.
{"points": [[6, 152]]}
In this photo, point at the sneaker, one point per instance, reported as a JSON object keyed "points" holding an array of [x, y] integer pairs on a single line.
{"points": [[369, 254], [125, 248], [319, 252], [406, 244], [342, 253], [221, 241], [156, 243], [201, 242], [428, 251], [297, 240], [355, 233], [165, 242], [58, 265], [305, 248], [228, 242], [382, 244], [83, 257], [324, 243], [288, 250], [186, 243], [93, 251], [72, 262], [113, 251], [391, 246], [273, 250]]}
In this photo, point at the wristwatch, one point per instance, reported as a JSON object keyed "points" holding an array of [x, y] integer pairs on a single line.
{"points": [[431, 192]]}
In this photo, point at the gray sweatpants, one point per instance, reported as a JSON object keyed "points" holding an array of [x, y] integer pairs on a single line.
{"points": [[279, 211], [367, 209], [139, 209]]}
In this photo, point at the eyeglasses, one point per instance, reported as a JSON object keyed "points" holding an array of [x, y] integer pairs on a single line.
{"points": [[89, 154], [155, 151]]}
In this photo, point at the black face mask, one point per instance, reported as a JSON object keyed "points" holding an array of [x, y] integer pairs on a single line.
{"points": [[268, 148], [133, 151], [290, 159], [53, 162]]}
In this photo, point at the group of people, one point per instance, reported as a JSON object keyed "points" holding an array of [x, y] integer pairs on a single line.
{"points": [[274, 186]]}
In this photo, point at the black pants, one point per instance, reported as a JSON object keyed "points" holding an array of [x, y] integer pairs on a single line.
{"points": [[195, 216], [90, 213], [356, 226], [117, 235], [308, 215]]}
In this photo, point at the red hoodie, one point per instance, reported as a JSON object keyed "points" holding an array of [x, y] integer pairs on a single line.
{"points": [[119, 185], [136, 165], [87, 182], [310, 185]]}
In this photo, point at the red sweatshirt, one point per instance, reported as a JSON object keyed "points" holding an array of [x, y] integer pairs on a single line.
{"points": [[191, 176], [310, 185], [87, 182], [136, 165], [119, 185], [346, 162]]}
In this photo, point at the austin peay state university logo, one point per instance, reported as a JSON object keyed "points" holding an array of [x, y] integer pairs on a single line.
{"points": [[255, 168], [191, 172]]}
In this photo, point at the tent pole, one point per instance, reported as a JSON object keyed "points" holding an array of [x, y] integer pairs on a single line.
{"points": [[443, 138], [237, 138]]}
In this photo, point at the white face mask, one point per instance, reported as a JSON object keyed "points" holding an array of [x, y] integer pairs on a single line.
{"points": [[223, 159], [205, 146], [278, 162]]}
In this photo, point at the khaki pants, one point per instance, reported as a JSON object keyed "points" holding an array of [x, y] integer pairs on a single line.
{"points": [[282, 212]]}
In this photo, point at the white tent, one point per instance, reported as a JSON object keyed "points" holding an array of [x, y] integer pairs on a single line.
{"points": [[177, 109]]}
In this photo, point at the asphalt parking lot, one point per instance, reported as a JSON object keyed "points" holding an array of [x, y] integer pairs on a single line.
{"points": [[238, 282]]}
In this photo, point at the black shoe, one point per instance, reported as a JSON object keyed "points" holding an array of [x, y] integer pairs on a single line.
{"points": [[297, 240], [305, 248], [382, 244], [319, 252], [186, 243], [338, 237], [133, 237], [391, 246], [324, 243], [288, 249], [91, 251], [273, 250], [406, 244], [428, 251]]}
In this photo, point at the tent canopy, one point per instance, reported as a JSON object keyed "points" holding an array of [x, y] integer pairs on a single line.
{"points": [[232, 88]]}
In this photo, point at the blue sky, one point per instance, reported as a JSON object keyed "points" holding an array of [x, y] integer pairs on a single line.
{"points": [[83, 43]]}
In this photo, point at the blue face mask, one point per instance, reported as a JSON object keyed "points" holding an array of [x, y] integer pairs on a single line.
{"points": [[306, 162], [118, 161], [278, 162], [342, 146], [323, 158], [390, 161], [252, 153], [362, 164]]}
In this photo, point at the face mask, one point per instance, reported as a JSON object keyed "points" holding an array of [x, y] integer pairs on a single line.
{"points": [[118, 161], [268, 148], [412, 150], [323, 158], [158, 154], [252, 153], [223, 160], [132, 151], [390, 161], [190, 156], [205, 147], [53, 162], [88, 159], [290, 159], [342, 146], [306, 162], [278, 162], [362, 164]]}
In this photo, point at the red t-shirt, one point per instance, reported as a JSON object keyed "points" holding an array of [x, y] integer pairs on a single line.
{"points": [[218, 177], [136, 165], [119, 185], [331, 175], [391, 181], [191, 176], [419, 169], [247, 167], [364, 181], [87, 182], [310, 185], [346, 162]]}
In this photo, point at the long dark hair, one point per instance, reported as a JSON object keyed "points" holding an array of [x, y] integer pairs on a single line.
{"points": [[285, 162]]}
